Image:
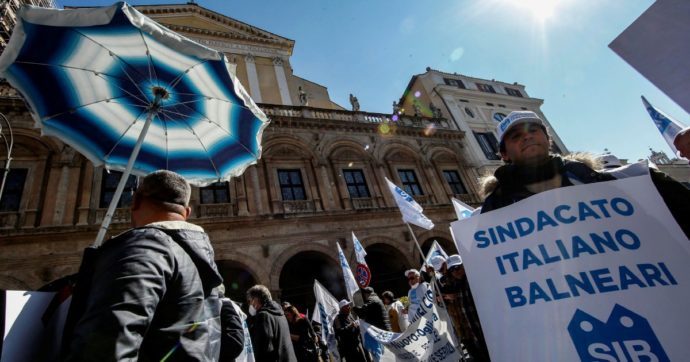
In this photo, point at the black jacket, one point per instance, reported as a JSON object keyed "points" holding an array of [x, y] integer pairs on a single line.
{"points": [[232, 334], [146, 294], [270, 334], [508, 191], [373, 311]]}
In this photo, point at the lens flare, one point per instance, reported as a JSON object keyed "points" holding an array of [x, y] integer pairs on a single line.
{"points": [[430, 129], [417, 94]]}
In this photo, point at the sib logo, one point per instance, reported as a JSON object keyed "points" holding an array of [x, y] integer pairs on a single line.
{"points": [[625, 337]]}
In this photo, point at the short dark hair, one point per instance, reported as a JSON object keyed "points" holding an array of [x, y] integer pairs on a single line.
{"points": [[388, 294], [166, 188], [260, 292]]}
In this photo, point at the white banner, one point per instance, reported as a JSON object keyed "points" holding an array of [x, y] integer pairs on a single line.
{"points": [[350, 283], [581, 273], [325, 311], [429, 338], [247, 354], [33, 324]]}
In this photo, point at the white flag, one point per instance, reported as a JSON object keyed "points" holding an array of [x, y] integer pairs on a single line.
{"points": [[435, 250], [350, 283], [410, 209], [360, 253], [668, 126], [325, 311], [462, 210]]}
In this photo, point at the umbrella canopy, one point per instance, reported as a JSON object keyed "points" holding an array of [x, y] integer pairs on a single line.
{"points": [[92, 77], [132, 95]]}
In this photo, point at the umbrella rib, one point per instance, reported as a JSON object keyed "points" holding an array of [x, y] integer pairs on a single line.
{"points": [[97, 73], [209, 98], [118, 58], [79, 107], [167, 151], [177, 79], [200, 142], [226, 131], [107, 155], [150, 59]]}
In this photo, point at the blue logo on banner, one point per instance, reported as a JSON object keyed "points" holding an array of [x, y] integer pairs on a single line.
{"points": [[626, 336]]}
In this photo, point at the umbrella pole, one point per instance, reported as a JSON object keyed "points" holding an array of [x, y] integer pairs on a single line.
{"points": [[123, 180]]}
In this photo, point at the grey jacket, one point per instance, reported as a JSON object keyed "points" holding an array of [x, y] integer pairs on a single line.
{"points": [[146, 295]]}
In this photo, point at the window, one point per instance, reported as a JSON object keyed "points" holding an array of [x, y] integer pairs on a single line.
{"points": [[291, 185], [469, 112], [215, 193], [498, 116], [454, 82], [464, 100], [109, 184], [356, 185], [487, 141], [488, 88], [453, 179], [409, 182], [14, 187], [513, 92], [489, 104]]}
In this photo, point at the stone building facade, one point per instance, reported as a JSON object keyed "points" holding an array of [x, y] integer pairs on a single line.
{"points": [[321, 177], [474, 106]]}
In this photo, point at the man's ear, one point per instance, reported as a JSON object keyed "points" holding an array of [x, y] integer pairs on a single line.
{"points": [[187, 212], [504, 157]]}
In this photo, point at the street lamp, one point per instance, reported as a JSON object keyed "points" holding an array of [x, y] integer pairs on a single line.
{"points": [[8, 145]]}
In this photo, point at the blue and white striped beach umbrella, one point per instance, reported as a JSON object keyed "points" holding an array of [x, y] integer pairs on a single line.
{"points": [[91, 77], [132, 95]]}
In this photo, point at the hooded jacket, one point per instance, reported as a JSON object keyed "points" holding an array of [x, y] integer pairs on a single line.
{"points": [[147, 294], [270, 334]]}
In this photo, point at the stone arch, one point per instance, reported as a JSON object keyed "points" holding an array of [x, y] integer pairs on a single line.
{"points": [[260, 274], [442, 154], [392, 242], [387, 265], [296, 279], [238, 277], [336, 149], [279, 262], [287, 146], [391, 149]]}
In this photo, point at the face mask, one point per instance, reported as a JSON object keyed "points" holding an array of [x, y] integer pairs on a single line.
{"points": [[252, 310], [415, 285]]}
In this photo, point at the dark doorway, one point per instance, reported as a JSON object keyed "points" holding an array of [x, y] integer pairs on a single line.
{"points": [[388, 265], [298, 274], [236, 278]]}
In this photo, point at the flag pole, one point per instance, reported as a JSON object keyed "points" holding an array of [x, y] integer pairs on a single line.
{"points": [[421, 255]]}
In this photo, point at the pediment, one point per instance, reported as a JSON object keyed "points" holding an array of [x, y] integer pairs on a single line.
{"points": [[196, 20]]}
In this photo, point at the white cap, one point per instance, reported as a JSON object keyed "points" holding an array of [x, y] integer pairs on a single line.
{"points": [[343, 303], [408, 271], [515, 118], [453, 260], [437, 262]]}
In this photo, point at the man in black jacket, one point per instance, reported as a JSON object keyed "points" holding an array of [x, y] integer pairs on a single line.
{"points": [[149, 293], [530, 169], [268, 327], [373, 311]]}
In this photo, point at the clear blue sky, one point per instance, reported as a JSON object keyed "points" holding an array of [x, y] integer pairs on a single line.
{"points": [[373, 48]]}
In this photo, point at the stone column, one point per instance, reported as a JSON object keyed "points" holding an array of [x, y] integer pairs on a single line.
{"points": [[282, 81], [326, 185], [253, 78], [241, 196], [85, 197]]}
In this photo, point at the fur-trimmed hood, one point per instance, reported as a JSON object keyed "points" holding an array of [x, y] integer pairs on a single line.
{"points": [[489, 183]]}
